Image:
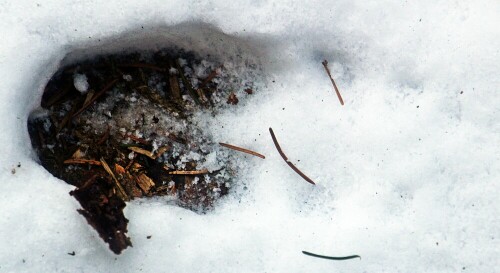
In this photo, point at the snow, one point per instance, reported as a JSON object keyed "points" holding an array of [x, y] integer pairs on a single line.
{"points": [[81, 83], [407, 171]]}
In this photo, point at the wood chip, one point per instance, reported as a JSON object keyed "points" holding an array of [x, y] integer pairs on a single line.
{"points": [[128, 182], [243, 150], [144, 182]]}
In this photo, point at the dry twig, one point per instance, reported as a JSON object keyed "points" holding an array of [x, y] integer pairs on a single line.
{"points": [[82, 161], [142, 152], [243, 150], [325, 64], [121, 192], [197, 172], [286, 159], [144, 182]]}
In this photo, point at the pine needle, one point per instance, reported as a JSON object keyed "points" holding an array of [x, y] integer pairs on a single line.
{"points": [[286, 159], [243, 150], [325, 64], [330, 257]]}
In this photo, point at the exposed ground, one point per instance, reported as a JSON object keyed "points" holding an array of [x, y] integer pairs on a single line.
{"points": [[119, 127]]}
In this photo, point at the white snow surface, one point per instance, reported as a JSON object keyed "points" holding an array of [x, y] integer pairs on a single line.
{"points": [[407, 171], [81, 83]]}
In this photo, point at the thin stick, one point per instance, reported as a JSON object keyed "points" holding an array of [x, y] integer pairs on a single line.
{"points": [[82, 161], [137, 139], [286, 159], [243, 150], [121, 192], [331, 258], [198, 172], [325, 64]]}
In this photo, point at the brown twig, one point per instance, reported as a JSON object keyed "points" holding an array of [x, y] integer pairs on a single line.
{"points": [[243, 150], [142, 152], [286, 159], [144, 182], [197, 172], [82, 161], [325, 64]]}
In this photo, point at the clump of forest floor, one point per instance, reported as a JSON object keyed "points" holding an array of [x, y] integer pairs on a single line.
{"points": [[119, 127]]}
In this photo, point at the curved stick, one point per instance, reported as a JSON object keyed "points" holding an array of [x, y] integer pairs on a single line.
{"points": [[286, 159]]}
